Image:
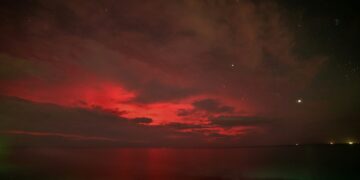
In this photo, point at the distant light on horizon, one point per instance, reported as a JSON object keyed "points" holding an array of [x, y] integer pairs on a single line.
{"points": [[331, 143], [351, 142]]}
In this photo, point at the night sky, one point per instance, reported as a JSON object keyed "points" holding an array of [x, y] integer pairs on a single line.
{"points": [[179, 73]]}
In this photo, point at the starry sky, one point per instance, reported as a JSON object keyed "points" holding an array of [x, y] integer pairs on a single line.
{"points": [[179, 73]]}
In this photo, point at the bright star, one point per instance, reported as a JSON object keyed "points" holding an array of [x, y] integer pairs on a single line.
{"points": [[299, 101]]}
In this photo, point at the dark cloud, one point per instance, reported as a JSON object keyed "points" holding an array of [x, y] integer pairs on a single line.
{"points": [[155, 91], [184, 126], [142, 120], [231, 121], [212, 106], [184, 112], [209, 106]]}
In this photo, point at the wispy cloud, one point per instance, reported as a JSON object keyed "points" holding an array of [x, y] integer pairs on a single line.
{"points": [[62, 135]]}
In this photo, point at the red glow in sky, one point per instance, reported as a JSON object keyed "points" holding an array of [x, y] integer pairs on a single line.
{"points": [[113, 98], [177, 69]]}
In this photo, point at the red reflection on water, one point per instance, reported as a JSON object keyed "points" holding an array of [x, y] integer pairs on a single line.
{"points": [[150, 164], [159, 163], [137, 163]]}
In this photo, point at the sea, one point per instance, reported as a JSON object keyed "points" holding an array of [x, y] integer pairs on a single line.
{"points": [[248, 163]]}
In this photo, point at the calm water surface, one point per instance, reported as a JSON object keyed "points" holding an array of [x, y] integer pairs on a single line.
{"points": [[161, 163]]}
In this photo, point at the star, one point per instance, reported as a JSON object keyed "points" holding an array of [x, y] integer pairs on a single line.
{"points": [[299, 101]]}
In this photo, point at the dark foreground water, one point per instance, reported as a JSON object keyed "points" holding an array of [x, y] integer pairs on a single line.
{"points": [[308, 162]]}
